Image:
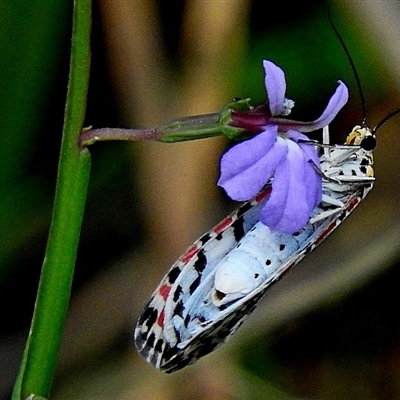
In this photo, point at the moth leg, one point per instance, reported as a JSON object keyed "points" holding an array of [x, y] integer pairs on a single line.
{"points": [[325, 214], [322, 174], [325, 140], [332, 201]]}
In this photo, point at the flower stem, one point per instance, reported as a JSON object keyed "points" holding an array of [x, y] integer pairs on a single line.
{"points": [[178, 130], [90, 136], [40, 356]]}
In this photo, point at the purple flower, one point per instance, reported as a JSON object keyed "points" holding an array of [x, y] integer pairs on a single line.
{"points": [[278, 153]]}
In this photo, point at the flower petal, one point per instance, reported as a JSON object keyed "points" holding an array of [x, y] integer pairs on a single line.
{"points": [[287, 210], [336, 102], [312, 179], [275, 85], [248, 166]]}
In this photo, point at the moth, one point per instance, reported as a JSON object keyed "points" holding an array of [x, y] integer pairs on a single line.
{"points": [[218, 281]]}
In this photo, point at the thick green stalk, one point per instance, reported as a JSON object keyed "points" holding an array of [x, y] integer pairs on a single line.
{"points": [[40, 356]]}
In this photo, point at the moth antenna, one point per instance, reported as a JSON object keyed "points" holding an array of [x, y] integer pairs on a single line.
{"points": [[379, 124], [357, 78], [353, 67]]}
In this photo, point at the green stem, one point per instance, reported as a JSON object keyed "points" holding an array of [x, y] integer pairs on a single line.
{"points": [[178, 130], [40, 356]]}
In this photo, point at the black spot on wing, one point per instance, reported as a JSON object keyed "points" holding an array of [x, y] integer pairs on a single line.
{"points": [[141, 338], [282, 247], [308, 249], [219, 236], [150, 340], [177, 293], [238, 230], [342, 217], [200, 262], [169, 352], [177, 335], [205, 238], [243, 209], [202, 318], [173, 274], [195, 284], [145, 353], [179, 309], [149, 317], [154, 358], [158, 347], [186, 320]]}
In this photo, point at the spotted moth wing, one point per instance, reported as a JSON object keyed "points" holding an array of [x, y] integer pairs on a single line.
{"points": [[181, 324], [155, 334]]}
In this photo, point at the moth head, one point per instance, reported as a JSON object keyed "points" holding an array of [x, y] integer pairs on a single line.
{"points": [[363, 137]]}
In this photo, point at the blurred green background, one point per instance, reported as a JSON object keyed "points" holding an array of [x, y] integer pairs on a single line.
{"points": [[328, 330]]}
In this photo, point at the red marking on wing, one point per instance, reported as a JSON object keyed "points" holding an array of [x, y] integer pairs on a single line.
{"points": [[326, 232], [190, 253], [352, 203], [160, 319], [262, 195], [164, 291], [223, 225]]}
